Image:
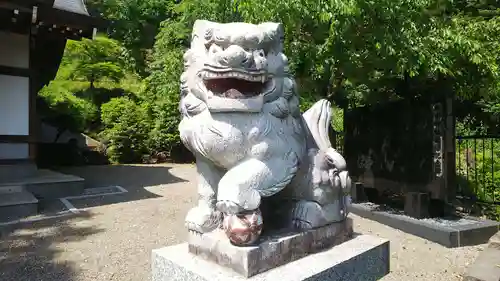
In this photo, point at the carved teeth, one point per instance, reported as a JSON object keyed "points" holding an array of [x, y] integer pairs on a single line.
{"points": [[234, 74]]}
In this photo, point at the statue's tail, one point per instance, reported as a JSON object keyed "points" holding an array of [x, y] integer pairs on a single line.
{"points": [[317, 119]]}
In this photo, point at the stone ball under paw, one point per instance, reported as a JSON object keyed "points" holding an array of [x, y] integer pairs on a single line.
{"points": [[244, 228]]}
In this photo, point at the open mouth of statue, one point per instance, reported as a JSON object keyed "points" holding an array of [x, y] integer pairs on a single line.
{"points": [[235, 85]]}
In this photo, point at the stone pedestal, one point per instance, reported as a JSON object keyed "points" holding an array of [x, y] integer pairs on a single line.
{"points": [[272, 251], [327, 253], [363, 258]]}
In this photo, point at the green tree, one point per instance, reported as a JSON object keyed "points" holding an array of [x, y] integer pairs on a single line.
{"points": [[95, 60], [363, 51], [162, 88], [135, 23], [353, 52], [166, 65]]}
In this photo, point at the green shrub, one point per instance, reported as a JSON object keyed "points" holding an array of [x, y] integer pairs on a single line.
{"points": [[62, 108], [126, 128]]}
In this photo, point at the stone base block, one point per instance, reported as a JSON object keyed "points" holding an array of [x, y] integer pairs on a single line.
{"points": [[358, 193], [486, 267], [271, 251], [16, 203], [494, 241], [371, 194], [417, 205], [363, 258]]}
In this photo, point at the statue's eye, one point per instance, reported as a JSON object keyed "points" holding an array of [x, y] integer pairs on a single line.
{"points": [[220, 37], [260, 53]]}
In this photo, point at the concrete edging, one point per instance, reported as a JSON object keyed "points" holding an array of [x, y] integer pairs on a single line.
{"points": [[448, 236]]}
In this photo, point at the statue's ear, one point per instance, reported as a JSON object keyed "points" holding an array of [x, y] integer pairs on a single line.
{"points": [[280, 32], [200, 26], [274, 34]]}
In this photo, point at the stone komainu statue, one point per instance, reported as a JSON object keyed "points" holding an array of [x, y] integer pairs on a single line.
{"points": [[241, 119]]}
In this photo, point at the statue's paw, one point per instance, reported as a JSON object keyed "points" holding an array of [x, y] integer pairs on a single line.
{"points": [[203, 219], [229, 207], [298, 223], [306, 215]]}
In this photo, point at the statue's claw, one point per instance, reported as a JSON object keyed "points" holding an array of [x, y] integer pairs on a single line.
{"points": [[203, 219]]}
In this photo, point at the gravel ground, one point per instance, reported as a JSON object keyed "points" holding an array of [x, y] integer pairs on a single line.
{"points": [[113, 237]]}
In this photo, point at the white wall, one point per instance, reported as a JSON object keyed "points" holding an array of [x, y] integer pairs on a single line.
{"points": [[14, 105], [14, 95], [14, 50]]}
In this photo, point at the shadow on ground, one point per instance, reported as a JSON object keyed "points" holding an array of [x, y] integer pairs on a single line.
{"points": [[134, 178], [30, 251]]}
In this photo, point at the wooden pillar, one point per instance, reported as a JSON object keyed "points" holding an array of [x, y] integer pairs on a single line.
{"points": [[32, 100]]}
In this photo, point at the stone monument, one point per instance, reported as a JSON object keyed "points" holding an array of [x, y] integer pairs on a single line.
{"points": [[273, 193]]}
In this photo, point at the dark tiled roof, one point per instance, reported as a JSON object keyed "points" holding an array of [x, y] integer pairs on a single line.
{"points": [[73, 6]]}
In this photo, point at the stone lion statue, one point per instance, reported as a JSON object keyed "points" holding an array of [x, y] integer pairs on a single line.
{"points": [[241, 120]]}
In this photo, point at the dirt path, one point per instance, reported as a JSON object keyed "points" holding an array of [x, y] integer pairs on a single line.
{"points": [[112, 239]]}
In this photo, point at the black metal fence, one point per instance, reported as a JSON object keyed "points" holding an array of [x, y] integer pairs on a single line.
{"points": [[478, 168]]}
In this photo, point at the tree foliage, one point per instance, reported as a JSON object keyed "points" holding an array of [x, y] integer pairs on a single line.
{"points": [[362, 50], [135, 23], [352, 52], [95, 60]]}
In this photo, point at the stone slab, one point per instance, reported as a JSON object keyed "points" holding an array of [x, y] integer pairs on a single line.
{"points": [[494, 241], [13, 172], [486, 267], [363, 258], [47, 184], [447, 233], [16, 203], [271, 251]]}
